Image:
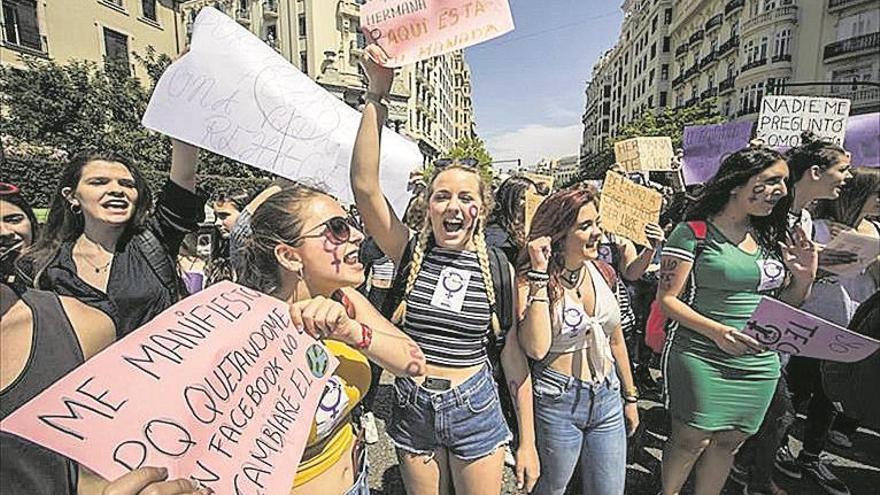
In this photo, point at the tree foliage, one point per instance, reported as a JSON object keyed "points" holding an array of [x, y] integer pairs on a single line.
{"points": [[473, 148], [668, 122]]}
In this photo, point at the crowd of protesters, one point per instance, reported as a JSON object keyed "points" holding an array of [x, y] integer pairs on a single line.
{"points": [[503, 338]]}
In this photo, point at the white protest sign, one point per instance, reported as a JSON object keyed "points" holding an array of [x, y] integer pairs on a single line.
{"points": [[220, 388], [865, 247], [784, 118], [783, 328], [234, 95]]}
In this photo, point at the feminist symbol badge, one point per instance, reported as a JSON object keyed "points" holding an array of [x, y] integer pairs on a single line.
{"points": [[450, 289]]}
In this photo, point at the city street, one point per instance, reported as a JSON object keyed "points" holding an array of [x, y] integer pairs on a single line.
{"points": [[859, 468]]}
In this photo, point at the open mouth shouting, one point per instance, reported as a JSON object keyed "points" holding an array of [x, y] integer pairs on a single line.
{"points": [[116, 205], [453, 225]]}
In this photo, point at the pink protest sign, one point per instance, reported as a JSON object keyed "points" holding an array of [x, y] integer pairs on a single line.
{"points": [[414, 30], [220, 388], [786, 329]]}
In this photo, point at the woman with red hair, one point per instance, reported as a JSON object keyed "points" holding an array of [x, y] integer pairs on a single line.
{"points": [[570, 326]]}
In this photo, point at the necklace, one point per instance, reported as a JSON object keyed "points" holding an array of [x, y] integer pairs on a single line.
{"points": [[573, 278], [98, 268]]}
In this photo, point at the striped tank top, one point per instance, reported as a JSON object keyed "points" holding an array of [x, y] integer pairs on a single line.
{"points": [[447, 311]]}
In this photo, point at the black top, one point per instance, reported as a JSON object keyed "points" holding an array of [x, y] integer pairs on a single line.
{"points": [[27, 468], [135, 293]]}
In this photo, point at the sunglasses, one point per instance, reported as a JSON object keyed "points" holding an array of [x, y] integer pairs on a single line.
{"points": [[8, 189], [337, 230], [467, 162]]}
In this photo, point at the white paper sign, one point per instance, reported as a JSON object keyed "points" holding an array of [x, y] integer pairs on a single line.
{"points": [[451, 289], [784, 118], [234, 95]]}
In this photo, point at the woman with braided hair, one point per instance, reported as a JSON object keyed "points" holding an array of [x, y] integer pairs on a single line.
{"points": [[447, 426]]}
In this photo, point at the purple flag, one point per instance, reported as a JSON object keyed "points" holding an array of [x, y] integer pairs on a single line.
{"points": [[705, 146], [863, 140]]}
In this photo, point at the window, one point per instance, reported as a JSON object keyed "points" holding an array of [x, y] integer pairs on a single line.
{"points": [[651, 101], [149, 9], [654, 24], [859, 24], [667, 16], [651, 76], [769, 5], [301, 25], [666, 44], [753, 8], [664, 72], [663, 98], [653, 50], [734, 27], [750, 49], [304, 62], [710, 82], [763, 48], [116, 46], [21, 24], [782, 43]]}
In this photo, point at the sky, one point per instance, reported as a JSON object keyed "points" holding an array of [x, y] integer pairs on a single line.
{"points": [[528, 85]]}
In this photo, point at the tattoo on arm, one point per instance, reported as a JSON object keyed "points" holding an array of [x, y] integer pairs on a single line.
{"points": [[667, 273]]}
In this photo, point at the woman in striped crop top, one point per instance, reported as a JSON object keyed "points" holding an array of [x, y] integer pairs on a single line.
{"points": [[303, 248], [571, 327], [447, 426]]}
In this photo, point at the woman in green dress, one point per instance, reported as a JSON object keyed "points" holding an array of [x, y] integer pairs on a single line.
{"points": [[720, 380]]}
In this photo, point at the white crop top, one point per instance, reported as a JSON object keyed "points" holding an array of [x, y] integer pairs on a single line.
{"points": [[573, 329]]}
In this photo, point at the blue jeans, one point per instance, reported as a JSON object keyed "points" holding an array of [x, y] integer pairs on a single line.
{"points": [[466, 420], [582, 423]]}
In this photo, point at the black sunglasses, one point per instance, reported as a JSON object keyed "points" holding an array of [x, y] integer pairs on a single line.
{"points": [[445, 162], [337, 230]]}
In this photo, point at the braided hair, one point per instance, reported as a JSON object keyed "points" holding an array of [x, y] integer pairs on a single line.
{"points": [[424, 238]]}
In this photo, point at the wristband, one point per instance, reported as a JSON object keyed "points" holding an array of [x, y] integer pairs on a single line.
{"points": [[536, 276], [631, 399], [631, 392], [366, 337]]}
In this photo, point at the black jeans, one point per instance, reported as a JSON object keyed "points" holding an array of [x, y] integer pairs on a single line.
{"points": [[805, 383]]}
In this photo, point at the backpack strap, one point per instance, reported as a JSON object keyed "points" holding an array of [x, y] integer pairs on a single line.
{"points": [[504, 303], [160, 262], [700, 229], [395, 294], [608, 273]]}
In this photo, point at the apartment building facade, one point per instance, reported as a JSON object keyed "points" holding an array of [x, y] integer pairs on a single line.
{"points": [[738, 50], [88, 30], [633, 76]]}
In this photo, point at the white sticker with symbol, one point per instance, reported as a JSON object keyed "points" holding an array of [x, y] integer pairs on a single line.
{"points": [[772, 274], [451, 289]]}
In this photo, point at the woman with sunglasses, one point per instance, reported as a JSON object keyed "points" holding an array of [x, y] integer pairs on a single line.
{"points": [[103, 246], [18, 228], [303, 249], [447, 426]]}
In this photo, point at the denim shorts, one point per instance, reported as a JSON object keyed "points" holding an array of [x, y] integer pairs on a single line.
{"points": [[466, 420]]}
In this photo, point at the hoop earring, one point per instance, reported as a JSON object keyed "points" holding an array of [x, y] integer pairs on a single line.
{"points": [[75, 209]]}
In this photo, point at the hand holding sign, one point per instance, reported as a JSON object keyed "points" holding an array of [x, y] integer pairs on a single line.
{"points": [[783, 328]]}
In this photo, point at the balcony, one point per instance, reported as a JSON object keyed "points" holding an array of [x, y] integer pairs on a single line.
{"points": [[349, 8], [734, 6], [785, 13], [692, 71], [835, 5], [714, 22], [726, 85], [696, 37], [860, 97], [273, 43], [243, 16], [708, 60], [727, 46], [847, 47], [678, 81], [782, 57], [270, 9], [681, 50], [692, 102], [753, 65], [709, 93]]}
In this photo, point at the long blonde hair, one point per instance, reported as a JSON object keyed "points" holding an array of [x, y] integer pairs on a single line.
{"points": [[479, 238]]}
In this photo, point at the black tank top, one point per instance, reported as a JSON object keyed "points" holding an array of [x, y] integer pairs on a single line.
{"points": [[27, 468]]}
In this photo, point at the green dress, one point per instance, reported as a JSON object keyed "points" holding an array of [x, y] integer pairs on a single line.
{"points": [[707, 388]]}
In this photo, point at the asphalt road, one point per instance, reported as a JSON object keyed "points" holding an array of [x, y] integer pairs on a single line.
{"points": [[859, 467]]}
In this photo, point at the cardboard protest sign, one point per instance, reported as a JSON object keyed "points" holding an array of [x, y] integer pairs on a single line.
{"points": [[533, 201], [644, 154], [863, 140], [865, 247], [220, 388], [626, 207], [783, 328], [413, 30], [784, 118], [545, 181], [706, 146], [234, 95]]}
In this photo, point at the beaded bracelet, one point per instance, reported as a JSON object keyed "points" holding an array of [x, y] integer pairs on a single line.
{"points": [[536, 276]]}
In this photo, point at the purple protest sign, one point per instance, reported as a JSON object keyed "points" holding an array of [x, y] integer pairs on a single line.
{"points": [[705, 146], [786, 329], [863, 140]]}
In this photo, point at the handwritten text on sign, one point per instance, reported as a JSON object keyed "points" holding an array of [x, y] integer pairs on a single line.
{"points": [[626, 207], [234, 95], [220, 388], [865, 247], [784, 118], [644, 153], [413, 30], [706, 146], [786, 329]]}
